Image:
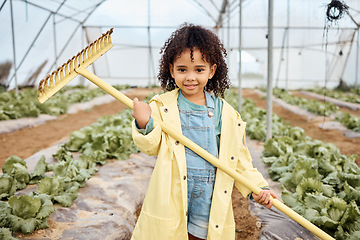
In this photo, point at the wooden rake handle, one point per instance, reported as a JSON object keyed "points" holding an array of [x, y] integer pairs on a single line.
{"points": [[78, 64], [206, 155]]}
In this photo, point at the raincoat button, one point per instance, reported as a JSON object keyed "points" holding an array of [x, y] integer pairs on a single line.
{"points": [[239, 124], [232, 158], [217, 226], [184, 177], [176, 142], [165, 110], [225, 191]]}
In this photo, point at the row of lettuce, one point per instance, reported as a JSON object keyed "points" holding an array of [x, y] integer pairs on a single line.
{"points": [[108, 138], [318, 181], [351, 96], [25, 104], [320, 108]]}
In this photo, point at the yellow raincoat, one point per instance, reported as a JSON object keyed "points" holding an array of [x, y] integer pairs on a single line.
{"points": [[163, 215]]}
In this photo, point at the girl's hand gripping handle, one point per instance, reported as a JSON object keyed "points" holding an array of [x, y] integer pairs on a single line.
{"points": [[264, 198], [141, 113]]}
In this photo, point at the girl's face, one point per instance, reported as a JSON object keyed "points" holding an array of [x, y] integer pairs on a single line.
{"points": [[192, 76]]}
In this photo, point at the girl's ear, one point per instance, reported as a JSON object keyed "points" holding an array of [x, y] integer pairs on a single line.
{"points": [[171, 68], [212, 70]]}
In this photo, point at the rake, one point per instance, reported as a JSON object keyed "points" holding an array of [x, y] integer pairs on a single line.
{"points": [[78, 64]]}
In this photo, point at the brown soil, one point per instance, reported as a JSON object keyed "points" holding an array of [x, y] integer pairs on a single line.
{"points": [[247, 226], [346, 145], [26, 142]]}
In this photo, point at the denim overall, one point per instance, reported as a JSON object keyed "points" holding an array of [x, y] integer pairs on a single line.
{"points": [[199, 127]]}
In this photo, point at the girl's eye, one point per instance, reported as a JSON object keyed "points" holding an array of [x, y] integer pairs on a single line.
{"points": [[181, 70], [200, 70]]}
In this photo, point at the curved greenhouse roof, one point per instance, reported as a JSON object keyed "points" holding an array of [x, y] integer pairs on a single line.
{"points": [[37, 36]]}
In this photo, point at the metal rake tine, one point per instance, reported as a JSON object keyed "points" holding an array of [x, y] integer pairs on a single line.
{"points": [[53, 82]]}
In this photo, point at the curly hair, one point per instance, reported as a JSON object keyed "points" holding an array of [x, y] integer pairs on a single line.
{"points": [[191, 37]]}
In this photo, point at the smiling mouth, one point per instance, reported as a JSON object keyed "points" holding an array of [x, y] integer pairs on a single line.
{"points": [[190, 87]]}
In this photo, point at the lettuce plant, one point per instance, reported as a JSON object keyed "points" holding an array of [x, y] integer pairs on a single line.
{"points": [[7, 186], [58, 190], [26, 213], [349, 121], [5, 234], [110, 137], [39, 171], [16, 167]]}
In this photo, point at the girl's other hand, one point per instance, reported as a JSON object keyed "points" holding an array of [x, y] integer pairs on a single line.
{"points": [[264, 198], [141, 113]]}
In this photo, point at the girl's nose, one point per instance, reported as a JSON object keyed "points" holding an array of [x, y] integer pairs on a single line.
{"points": [[190, 77]]}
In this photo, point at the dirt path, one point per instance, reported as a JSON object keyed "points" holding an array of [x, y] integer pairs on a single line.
{"points": [[27, 141], [346, 145]]}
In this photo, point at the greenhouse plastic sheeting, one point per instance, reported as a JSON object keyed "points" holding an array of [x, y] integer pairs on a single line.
{"points": [[275, 225], [105, 208]]}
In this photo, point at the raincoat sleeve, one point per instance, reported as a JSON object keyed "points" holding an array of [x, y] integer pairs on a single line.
{"points": [[149, 127], [246, 169], [149, 143]]}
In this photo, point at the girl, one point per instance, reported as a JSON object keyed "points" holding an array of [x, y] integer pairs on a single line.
{"points": [[187, 197]]}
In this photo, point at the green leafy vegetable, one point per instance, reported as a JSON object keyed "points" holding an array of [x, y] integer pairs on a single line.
{"points": [[16, 167], [59, 191], [349, 121], [5, 234], [110, 137], [344, 96], [39, 171], [25, 103], [318, 181], [24, 206], [29, 213], [7, 186]]}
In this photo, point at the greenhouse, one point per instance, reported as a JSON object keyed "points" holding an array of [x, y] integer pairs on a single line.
{"points": [[75, 164]]}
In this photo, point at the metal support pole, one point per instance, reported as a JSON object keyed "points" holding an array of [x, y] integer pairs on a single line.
{"points": [[270, 73], [357, 59], [2, 5], [228, 36], [281, 58], [14, 48], [151, 68], [287, 46], [240, 46], [149, 46], [55, 44]]}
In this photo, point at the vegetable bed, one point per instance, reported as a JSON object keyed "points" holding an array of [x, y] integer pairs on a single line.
{"points": [[255, 121], [319, 182]]}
